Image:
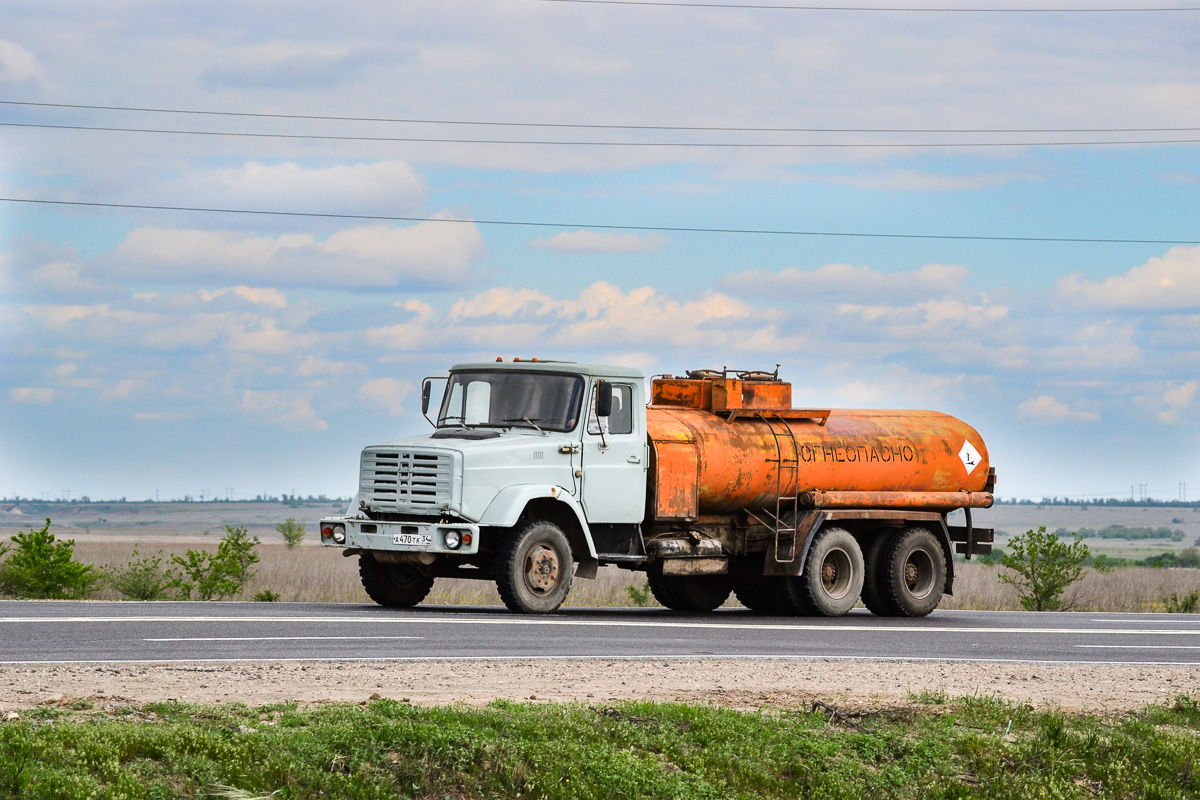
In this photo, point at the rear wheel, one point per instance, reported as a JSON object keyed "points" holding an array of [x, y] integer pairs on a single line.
{"points": [[755, 594], [689, 592], [914, 573], [393, 585], [874, 596], [534, 568], [833, 573], [787, 596]]}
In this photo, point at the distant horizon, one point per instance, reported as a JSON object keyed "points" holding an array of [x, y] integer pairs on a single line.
{"points": [[1147, 502]]}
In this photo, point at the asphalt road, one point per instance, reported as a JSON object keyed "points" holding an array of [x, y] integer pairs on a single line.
{"points": [[83, 632]]}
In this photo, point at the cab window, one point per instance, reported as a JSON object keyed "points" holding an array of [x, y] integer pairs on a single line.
{"points": [[621, 418]]}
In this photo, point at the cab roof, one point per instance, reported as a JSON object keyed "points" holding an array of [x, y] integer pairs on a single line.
{"points": [[570, 367]]}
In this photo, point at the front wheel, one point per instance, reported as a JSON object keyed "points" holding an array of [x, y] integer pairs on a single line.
{"points": [[534, 568]]}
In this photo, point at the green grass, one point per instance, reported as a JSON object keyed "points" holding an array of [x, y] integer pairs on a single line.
{"points": [[940, 748]]}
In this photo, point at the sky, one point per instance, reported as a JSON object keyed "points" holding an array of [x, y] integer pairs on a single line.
{"points": [[148, 352]]}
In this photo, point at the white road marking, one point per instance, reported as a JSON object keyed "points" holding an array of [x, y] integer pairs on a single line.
{"points": [[1141, 646], [459, 620], [278, 638]]}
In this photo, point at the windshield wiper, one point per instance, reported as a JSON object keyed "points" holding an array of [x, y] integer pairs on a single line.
{"points": [[527, 419]]}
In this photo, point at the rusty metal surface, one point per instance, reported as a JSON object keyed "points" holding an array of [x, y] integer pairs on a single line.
{"points": [[940, 501], [892, 516], [695, 566], [736, 464], [692, 545]]}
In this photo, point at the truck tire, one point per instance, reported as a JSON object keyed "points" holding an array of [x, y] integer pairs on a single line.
{"points": [[755, 594], [874, 597], [393, 585], [534, 568], [786, 595], [914, 573], [833, 573], [688, 592]]}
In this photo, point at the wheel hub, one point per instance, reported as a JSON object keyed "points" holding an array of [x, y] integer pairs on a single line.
{"points": [[542, 569], [836, 573]]}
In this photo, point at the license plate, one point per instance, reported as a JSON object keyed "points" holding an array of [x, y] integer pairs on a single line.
{"points": [[412, 539]]}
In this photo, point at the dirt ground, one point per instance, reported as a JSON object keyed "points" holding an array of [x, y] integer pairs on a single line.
{"points": [[745, 684]]}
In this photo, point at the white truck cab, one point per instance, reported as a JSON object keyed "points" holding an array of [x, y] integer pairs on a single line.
{"points": [[531, 466]]}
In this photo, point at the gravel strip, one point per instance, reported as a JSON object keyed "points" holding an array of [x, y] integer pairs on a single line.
{"points": [[746, 684]]}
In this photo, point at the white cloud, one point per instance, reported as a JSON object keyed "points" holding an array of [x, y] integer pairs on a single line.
{"points": [[32, 395], [849, 280], [1045, 408], [37, 268], [429, 255], [1171, 281], [1176, 399], [594, 242], [277, 408], [272, 298], [17, 64], [601, 316], [380, 187], [387, 393], [313, 367], [122, 389]]}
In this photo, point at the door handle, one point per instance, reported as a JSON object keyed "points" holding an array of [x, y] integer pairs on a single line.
{"points": [[634, 460]]}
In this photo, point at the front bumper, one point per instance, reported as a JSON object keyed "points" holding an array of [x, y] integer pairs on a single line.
{"points": [[401, 537]]}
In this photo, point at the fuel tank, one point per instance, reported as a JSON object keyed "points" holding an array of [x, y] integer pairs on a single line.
{"points": [[720, 444]]}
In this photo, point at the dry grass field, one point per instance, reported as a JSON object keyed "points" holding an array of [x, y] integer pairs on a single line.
{"points": [[107, 533], [316, 574]]}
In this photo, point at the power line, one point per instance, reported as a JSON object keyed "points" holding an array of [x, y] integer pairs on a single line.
{"points": [[579, 125], [647, 228], [447, 140], [903, 9]]}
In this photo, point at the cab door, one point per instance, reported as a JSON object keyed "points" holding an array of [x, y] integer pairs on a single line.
{"points": [[614, 458]]}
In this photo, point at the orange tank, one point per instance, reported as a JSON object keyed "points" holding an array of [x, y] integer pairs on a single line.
{"points": [[722, 444]]}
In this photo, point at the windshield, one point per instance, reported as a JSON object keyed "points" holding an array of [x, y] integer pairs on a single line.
{"points": [[511, 399]]}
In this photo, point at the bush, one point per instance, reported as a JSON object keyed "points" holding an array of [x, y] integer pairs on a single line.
{"points": [[995, 557], [1043, 567], [267, 596], [291, 531], [144, 579], [1189, 604], [41, 568], [220, 575], [639, 595], [1187, 557]]}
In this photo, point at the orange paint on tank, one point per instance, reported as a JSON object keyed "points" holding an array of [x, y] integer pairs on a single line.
{"points": [[711, 461]]}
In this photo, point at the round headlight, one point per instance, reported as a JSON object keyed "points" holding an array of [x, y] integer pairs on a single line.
{"points": [[339, 534], [453, 539]]}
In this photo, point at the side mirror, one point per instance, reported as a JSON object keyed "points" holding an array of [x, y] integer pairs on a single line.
{"points": [[426, 389], [604, 398]]}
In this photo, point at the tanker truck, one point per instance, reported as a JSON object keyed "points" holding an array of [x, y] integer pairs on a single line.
{"points": [[540, 472]]}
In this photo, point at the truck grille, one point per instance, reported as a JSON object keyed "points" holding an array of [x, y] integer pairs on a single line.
{"points": [[402, 480]]}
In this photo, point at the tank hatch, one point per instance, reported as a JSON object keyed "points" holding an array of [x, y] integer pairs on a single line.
{"points": [[732, 394]]}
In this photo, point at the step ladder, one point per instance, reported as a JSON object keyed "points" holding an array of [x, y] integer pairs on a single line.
{"points": [[787, 507]]}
